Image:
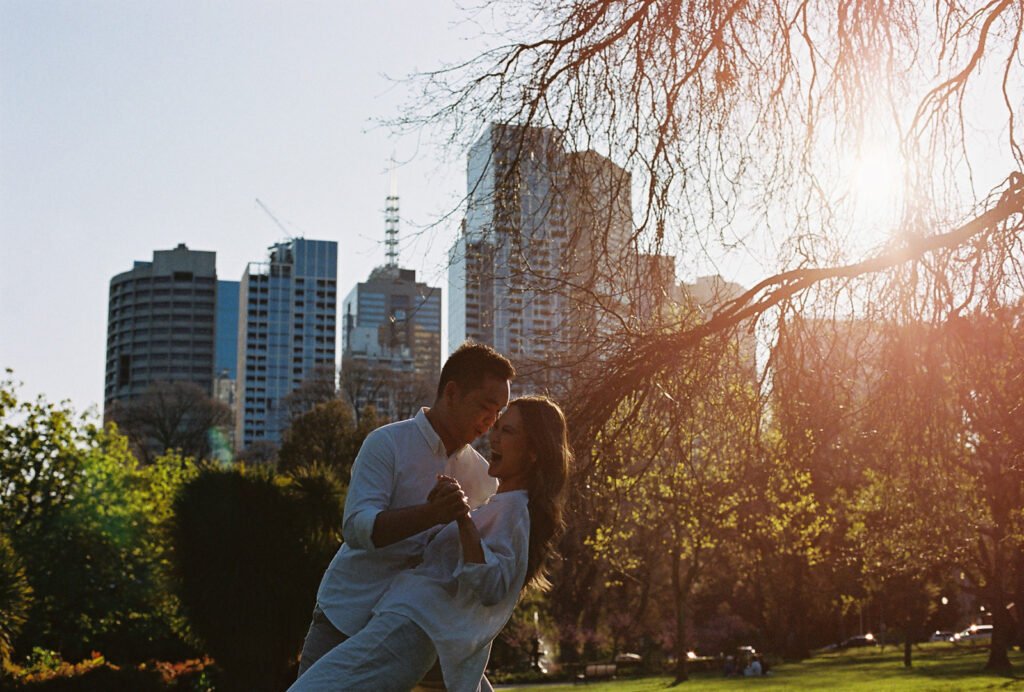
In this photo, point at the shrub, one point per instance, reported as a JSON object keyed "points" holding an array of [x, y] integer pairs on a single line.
{"points": [[46, 671], [85, 520], [249, 549], [15, 598]]}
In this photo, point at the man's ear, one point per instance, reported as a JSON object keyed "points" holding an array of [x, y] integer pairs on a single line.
{"points": [[450, 392]]}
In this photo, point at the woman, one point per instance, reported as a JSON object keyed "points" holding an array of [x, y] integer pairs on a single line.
{"points": [[457, 600]]}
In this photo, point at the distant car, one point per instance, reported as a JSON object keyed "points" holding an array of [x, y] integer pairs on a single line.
{"points": [[940, 636], [975, 634], [628, 658], [746, 650], [858, 641]]}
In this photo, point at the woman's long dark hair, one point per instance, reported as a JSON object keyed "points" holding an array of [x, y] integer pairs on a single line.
{"points": [[548, 441]]}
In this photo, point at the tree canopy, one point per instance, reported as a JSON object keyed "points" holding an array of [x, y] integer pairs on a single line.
{"points": [[852, 163], [848, 156]]}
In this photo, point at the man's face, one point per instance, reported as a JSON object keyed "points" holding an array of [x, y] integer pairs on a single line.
{"points": [[475, 410]]}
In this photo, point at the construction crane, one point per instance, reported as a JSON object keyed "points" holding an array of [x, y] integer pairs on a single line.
{"points": [[274, 218]]}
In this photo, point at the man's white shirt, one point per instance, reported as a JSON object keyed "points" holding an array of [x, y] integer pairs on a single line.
{"points": [[396, 467]]}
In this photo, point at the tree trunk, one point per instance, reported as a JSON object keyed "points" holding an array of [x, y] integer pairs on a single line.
{"points": [[795, 643], [682, 664], [1017, 613], [1002, 625], [908, 640]]}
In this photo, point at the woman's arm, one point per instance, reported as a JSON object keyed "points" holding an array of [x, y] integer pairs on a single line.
{"points": [[493, 566], [469, 536]]}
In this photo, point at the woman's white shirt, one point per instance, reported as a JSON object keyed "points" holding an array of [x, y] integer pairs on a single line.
{"points": [[463, 606]]}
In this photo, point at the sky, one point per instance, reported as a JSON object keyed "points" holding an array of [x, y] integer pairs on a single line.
{"points": [[128, 127]]}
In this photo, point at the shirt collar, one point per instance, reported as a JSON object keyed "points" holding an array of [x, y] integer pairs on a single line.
{"points": [[430, 435], [509, 495]]}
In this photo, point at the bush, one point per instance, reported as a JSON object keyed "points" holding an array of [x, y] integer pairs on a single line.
{"points": [[249, 549], [46, 671], [85, 520], [15, 598]]}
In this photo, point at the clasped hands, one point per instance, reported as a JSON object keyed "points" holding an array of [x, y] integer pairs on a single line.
{"points": [[447, 500]]}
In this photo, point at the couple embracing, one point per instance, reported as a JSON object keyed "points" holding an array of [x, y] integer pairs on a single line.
{"points": [[438, 545]]}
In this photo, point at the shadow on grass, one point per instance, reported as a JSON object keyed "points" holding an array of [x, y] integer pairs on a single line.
{"points": [[936, 668], [932, 664], [950, 662]]}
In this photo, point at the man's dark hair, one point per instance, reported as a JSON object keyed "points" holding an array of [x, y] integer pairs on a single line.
{"points": [[473, 363]]}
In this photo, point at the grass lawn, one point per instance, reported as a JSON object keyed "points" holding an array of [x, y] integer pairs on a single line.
{"points": [[936, 667]]}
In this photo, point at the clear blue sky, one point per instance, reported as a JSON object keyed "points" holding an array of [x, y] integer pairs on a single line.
{"points": [[134, 125]]}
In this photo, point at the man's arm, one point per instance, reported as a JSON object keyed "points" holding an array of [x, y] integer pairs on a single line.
{"points": [[446, 502]]}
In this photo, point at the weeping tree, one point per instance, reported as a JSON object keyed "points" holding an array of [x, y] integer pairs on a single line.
{"points": [[849, 160], [823, 141], [987, 352], [681, 486]]}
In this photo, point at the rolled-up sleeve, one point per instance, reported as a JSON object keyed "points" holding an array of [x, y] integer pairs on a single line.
{"points": [[503, 567], [369, 490]]}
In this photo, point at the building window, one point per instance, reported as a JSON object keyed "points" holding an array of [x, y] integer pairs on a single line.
{"points": [[124, 370]]}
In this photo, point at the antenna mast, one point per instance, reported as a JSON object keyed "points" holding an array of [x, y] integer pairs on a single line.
{"points": [[391, 223]]}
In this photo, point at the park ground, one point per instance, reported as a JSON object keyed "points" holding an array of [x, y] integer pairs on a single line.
{"points": [[936, 667]]}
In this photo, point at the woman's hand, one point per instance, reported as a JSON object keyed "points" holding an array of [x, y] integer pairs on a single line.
{"points": [[447, 500]]}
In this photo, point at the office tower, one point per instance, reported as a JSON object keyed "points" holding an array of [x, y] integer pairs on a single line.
{"points": [[392, 333], [545, 245], [710, 293], [392, 324], [160, 324], [286, 329], [225, 356], [394, 320]]}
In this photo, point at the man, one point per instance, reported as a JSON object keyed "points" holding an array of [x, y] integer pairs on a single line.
{"points": [[397, 492]]}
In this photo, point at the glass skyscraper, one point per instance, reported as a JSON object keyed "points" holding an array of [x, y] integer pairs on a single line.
{"points": [[225, 356], [546, 235], [286, 328]]}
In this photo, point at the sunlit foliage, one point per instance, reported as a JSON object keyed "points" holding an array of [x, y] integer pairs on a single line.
{"points": [[86, 521]]}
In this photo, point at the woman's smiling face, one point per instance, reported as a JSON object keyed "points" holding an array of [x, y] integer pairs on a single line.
{"points": [[511, 458]]}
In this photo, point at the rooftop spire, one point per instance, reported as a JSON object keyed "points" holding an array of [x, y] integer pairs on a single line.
{"points": [[391, 223]]}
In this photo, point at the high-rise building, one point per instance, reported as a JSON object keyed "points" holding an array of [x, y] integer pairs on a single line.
{"points": [[160, 323], [394, 320], [546, 237], [286, 330], [710, 293], [392, 326], [392, 332], [225, 355]]}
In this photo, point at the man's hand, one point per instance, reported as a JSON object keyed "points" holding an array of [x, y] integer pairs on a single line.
{"points": [[447, 501]]}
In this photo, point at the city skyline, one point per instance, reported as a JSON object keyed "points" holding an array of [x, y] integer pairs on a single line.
{"points": [[130, 128], [229, 128]]}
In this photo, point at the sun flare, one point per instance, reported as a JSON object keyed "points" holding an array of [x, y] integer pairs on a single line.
{"points": [[873, 187], [876, 179]]}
